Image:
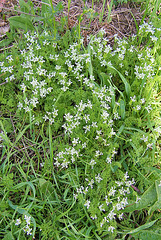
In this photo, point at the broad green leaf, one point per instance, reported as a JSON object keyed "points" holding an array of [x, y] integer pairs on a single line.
{"points": [[127, 85], [8, 236], [17, 208], [25, 6], [41, 181], [158, 188], [148, 235], [147, 199], [157, 204], [119, 132], [30, 184], [21, 22], [122, 109], [145, 226], [47, 190]]}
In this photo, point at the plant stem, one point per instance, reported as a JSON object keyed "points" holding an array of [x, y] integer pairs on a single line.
{"points": [[69, 2]]}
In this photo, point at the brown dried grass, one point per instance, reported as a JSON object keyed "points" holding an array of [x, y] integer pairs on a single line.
{"points": [[121, 19]]}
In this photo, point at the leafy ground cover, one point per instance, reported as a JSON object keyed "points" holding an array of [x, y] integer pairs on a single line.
{"points": [[80, 126]]}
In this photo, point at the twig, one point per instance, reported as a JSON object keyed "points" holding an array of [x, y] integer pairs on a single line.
{"points": [[136, 189], [117, 30], [3, 82]]}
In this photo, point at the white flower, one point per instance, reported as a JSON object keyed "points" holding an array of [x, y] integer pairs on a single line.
{"points": [[91, 183], [28, 219], [108, 160], [92, 163], [18, 221], [57, 67], [101, 208], [133, 99], [145, 139], [138, 107], [142, 100], [111, 215], [75, 141], [112, 191], [87, 128], [94, 217], [111, 229], [84, 145], [28, 230], [87, 204], [120, 216], [148, 108], [98, 178]]}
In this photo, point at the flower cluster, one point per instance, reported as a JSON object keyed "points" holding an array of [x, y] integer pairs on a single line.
{"points": [[82, 94], [26, 223]]}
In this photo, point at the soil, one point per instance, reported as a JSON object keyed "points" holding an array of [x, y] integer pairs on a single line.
{"points": [[121, 21]]}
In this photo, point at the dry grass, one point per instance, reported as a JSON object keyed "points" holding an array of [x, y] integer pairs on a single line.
{"points": [[121, 17]]}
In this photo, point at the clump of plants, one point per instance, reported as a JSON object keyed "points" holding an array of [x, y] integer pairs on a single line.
{"points": [[95, 112]]}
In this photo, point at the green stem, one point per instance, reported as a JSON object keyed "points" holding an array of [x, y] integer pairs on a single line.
{"points": [[50, 143], [69, 2], [79, 32], [102, 11]]}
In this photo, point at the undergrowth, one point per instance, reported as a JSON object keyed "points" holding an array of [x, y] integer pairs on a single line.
{"points": [[80, 137]]}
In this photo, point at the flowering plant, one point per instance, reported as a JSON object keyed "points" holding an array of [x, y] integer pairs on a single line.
{"points": [[99, 107]]}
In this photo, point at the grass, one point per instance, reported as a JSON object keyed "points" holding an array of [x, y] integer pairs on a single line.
{"points": [[80, 129]]}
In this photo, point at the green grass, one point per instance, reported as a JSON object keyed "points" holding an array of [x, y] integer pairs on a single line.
{"points": [[80, 131]]}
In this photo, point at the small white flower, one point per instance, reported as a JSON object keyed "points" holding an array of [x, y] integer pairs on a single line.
{"points": [[111, 229], [120, 216], [133, 99], [145, 139], [98, 178], [18, 222], [87, 204], [108, 160], [28, 219], [94, 217], [101, 208], [142, 100], [112, 191], [138, 107], [92, 163]]}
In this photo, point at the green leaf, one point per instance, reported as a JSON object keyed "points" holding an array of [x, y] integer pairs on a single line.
{"points": [[149, 235], [41, 181], [24, 6], [147, 199], [5, 42], [30, 184], [157, 204], [21, 22], [47, 189], [24, 212], [45, 9], [8, 236], [127, 85], [146, 225], [122, 109]]}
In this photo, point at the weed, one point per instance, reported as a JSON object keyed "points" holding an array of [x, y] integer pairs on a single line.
{"points": [[84, 159]]}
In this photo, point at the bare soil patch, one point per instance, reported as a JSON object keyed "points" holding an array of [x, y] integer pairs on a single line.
{"points": [[121, 18]]}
